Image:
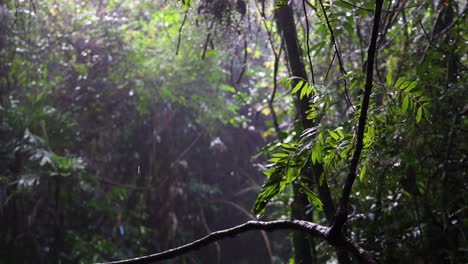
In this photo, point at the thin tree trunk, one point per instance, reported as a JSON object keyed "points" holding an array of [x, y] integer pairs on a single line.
{"points": [[287, 28]]}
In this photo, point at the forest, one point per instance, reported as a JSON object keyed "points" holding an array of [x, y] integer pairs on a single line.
{"points": [[233, 131]]}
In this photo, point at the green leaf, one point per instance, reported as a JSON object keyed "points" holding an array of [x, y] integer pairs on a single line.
{"points": [[333, 134], [362, 12], [389, 78], [349, 28], [312, 197], [343, 4], [80, 68], [419, 115], [404, 105], [186, 3], [288, 147], [306, 90], [427, 115], [316, 154], [400, 81], [411, 86], [340, 132], [227, 88], [362, 173], [298, 86], [281, 3], [271, 188], [280, 155]]}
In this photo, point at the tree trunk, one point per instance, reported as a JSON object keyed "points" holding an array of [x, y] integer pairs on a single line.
{"points": [[287, 28]]}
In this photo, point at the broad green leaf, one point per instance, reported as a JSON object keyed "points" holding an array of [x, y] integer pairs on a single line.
{"points": [[411, 86], [362, 12], [333, 134], [419, 115], [288, 147], [227, 88], [404, 105], [399, 82], [389, 78], [316, 154], [424, 99], [306, 90], [340, 132], [298, 86], [280, 155], [274, 160]]}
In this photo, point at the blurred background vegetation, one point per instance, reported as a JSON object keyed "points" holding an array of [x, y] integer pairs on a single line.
{"points": [[131, 126]]}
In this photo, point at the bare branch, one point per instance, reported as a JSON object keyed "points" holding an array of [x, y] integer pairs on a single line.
{"points": [[312, 229], [299, 225], [307, 41], [180, 32]]}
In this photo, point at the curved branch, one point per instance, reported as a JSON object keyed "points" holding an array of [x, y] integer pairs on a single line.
{"points": [[299, 225], [249, 215], [310, 228]]}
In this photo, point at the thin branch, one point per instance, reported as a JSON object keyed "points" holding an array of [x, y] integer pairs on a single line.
{"points": [[401, 28], [252, 217], [312, 229], [299, 225], [186, 150], [338, 55], [277, 55], [307, 41], [180, 31], [342, 212], [330, 66], [208, 36], [273, 93], [207, 228]]}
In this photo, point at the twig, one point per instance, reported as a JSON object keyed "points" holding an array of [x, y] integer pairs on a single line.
{"points": [[337, 51], [208, 36], [273, 93], [307, 41], [277, 56], [330, 66], [180, 31], [186, 150]]}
